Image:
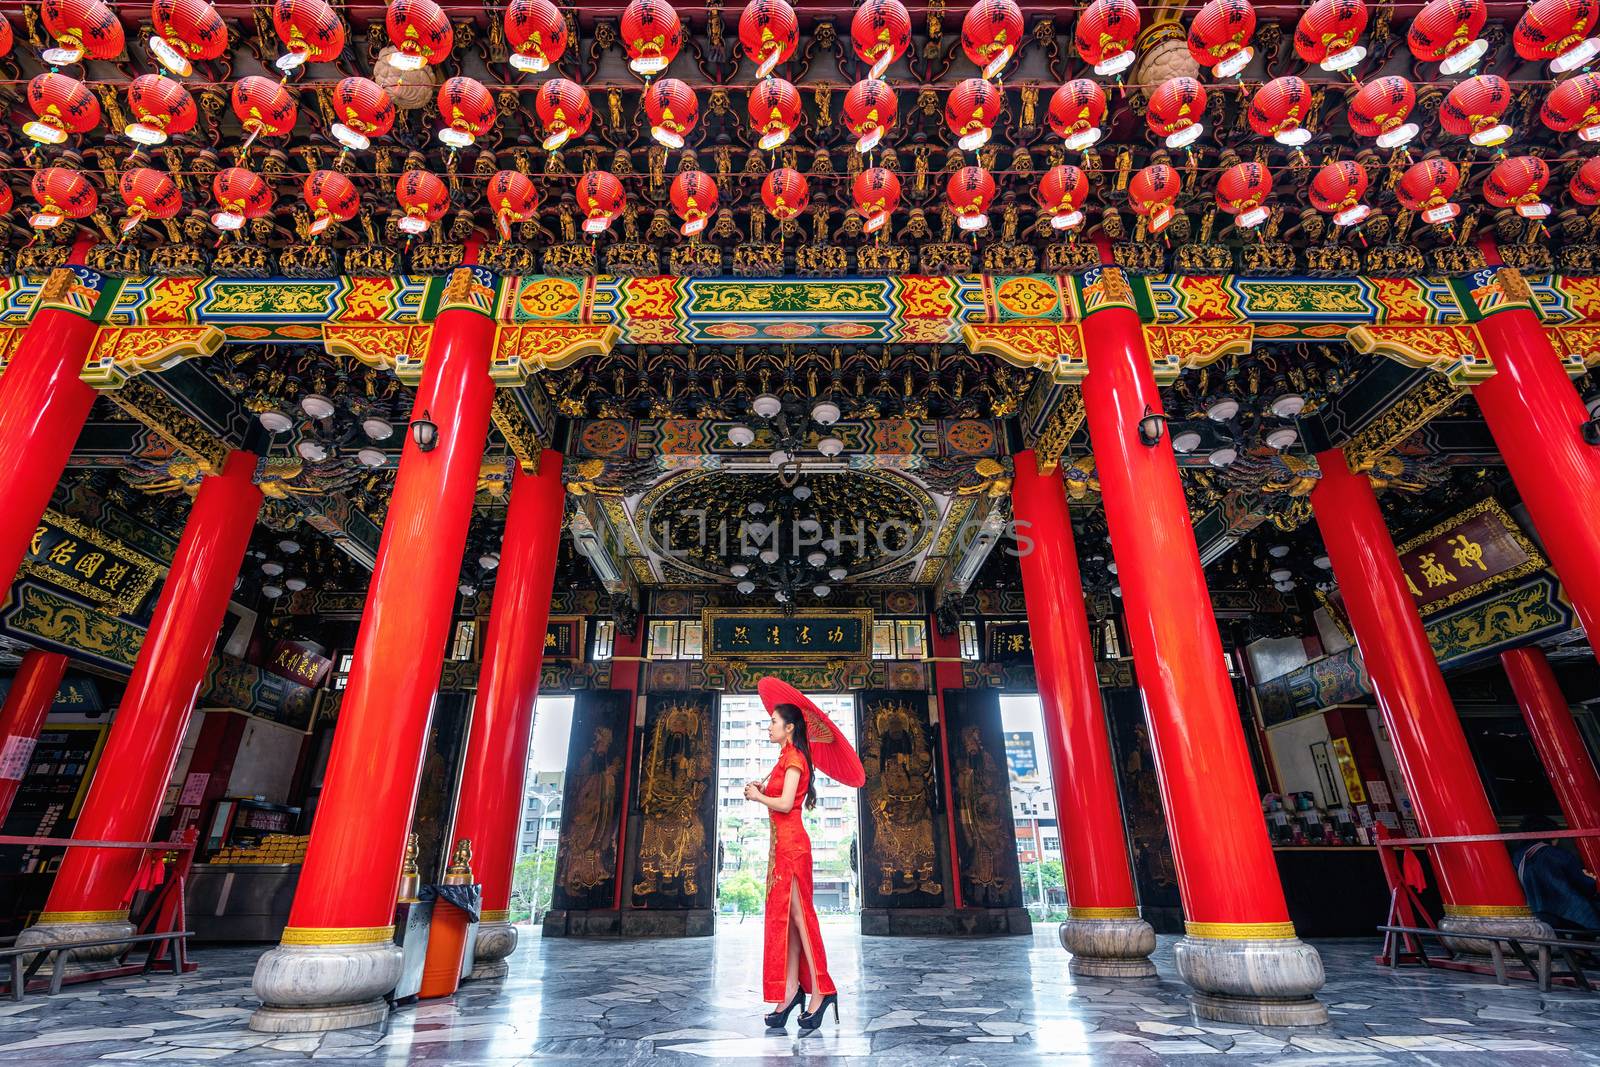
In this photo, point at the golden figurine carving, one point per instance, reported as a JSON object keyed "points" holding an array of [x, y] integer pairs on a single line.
{"points": [[899, 800], [460, 870], [672, 842], [410, 876]]}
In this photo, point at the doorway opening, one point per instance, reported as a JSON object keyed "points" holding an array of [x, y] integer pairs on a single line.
{"points": [[534, 875], [1033, 811]]}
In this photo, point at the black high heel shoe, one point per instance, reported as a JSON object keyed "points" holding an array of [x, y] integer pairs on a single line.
{"points": [[810, 1020], [777, 1020]]}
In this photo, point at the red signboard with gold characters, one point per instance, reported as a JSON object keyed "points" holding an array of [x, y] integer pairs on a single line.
{"points": [[1466, 555]]}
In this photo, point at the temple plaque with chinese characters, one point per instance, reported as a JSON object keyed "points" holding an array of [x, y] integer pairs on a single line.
{"points": [[95, 566], [774, 636], [676, 805], [1007, 642], [1475, 551], [903, 845]]}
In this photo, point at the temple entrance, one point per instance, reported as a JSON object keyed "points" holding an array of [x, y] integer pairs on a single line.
{"points": [[533, 876]]}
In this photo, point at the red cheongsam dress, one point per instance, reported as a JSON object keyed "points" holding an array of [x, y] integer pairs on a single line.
{"points": [[789, 871]]}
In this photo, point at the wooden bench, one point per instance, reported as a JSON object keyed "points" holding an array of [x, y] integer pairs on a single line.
{"points": [[59, 954], [1539, 966]]}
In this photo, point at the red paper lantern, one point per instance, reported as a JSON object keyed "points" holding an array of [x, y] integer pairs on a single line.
{"points": [[876, 192], [651, 35], [81, 28], [1152, 193], [1585, 185], [147, 194], [423, 199], [161, 108], [1426, 188], [774, 111], [1062, 192], [263, 106], [564, 111], [186, 31], [5, 196], [786, 193], [241, 195], [513, 198], [1337, 190], [869, 110], [1473, 108], [1176, 109], [880, 32], [1219, 39], [62, 106], [1242, 192], [364, 111], [1561, 32], [420, 30], [672, 109], [1446, 32], [1518, 183], [332, 197], [971, 112], [1105, 35], [990, 34], [536, 33], [601, 200], [694, 199], [467, 108], [310, 30], [769, 32], [62, 194], [969, 192], [1076, 111], [1574, 105], [7, 40], [1381, 109], [1329, 34], [1279, 109]]}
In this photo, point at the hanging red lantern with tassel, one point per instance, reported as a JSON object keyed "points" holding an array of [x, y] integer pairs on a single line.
{"points": [[971, 112], [991, 31], [1175, 111], [62, 194], [1380, 110], [1329, 34], [536, 33], [1219, 38], [1426, 188], [420, 31], [1062, 193], [1242, 192], [876, 192], [1585, 185], [1105, 35], [1446, 32], [467, 108], [147, 194], [1473, 108], [332, 197], [186, 32], [774, 111], [240, 195], [672, 109], [564, 111], [769, 32], [1337, 190], [62, 106], [512, 197], [423, 199], [601, 200], [969, 192], [7, 40], [364, 111], [310, 30], [1518, 183], [694, 198], [881, 33], [82, 29], [1560, 32], [869, 110], [1152, 192], [1574, 105], [263, 106], [651, 35], [786, 193], [1279, 110], [1076, 112], [160, 107], [6, 200]]}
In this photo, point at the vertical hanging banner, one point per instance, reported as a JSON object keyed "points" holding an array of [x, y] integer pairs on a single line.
{"points": [[980, 787], [591, 800], [903, 843], [676, 832]]}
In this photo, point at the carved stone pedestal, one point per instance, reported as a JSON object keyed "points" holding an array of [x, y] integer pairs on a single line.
{"points": [[1267, 982], [495, 941], [52, 933], [1109, 948], [1460, 929], [310, 988]]}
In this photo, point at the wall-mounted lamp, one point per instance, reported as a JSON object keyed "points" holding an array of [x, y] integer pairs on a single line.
{"points": [[1151, 426], [425, 432], [1591, 431]]}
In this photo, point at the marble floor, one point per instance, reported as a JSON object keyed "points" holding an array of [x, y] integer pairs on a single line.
{"points": [[905, 1001]]}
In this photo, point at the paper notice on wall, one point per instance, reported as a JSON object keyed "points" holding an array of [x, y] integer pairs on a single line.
{"points": [[194, 790], [14, 757], [1379, 792]]}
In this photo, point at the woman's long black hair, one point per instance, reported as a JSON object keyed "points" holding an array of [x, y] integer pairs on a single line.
{"points": [[796, 718]]}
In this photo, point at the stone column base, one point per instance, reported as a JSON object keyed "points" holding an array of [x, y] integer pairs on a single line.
{"points": [[86, 926], [1109, 948], [310, 988], [1262, 982], [496, 940], [1461, 927]]}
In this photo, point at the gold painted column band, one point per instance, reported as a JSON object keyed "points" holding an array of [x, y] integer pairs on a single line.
{"points": [[337, 935], [1240, 931], [1102, 913], [1487, 911], [60, 918], [501, 916]]}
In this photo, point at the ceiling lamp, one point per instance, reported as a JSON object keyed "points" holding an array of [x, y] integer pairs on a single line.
{"points": [[1219, 38], [838, 574], [1288, 405], [877, 193], [817, 557], [1585, 185], [739, 570], [1329, 32], [62, 106], [971, 111], [1221, 457], [240, 195], [1279, 110], [990, 34], [969, 192], [672, 109], [311, 451], [1284, 586], [371, 457], [1426, 188], [513, 198], [774, 107], [332, 197], [746, 587], [1337, 190], [377, 429], [1242, 192], [274, 421], [420, 31], [186, 31], [769, 555], [317, 406], [1280, 574], [651, 34], [779, 458], [294, 585], [830, 446], [467, 590], [263, 107], [1560, 32], [821, 590], [1322, 562], [564, 111], [1185, 441], [82, 29], [880, 31], [310, 29], [1152, 193], [148, 194], [1380, 110], [1518, 183], [489, 560], [869, 110], [467, 109], [766, 405], [1574, 105], [1105, 35], [785, 192], [781, 596], [1473, 109], [1222, 409], [694, 199], [741, 437], [1076, 111], [1061, 195], [769, 32], [272, 569], [160, 107], [824, 412], [272, 592], [364, 110], [289, 545], [601, 200], [1176, 110], [1282, 437], [1278, 551], [1446, 32], [536, 33], [423, 198]]}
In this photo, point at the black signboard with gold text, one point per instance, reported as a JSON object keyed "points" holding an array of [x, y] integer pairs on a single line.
{"points": [[93, 565], [772, 635]]}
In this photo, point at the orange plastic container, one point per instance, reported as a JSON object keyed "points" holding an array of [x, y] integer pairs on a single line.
{"points": [[447, 945]]}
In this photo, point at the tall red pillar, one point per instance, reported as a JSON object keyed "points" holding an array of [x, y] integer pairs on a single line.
{"points": [[1560, 746], [1479, 886], [337, 956], [1241, 954], [489, 810], [1103, 931], [947, 674], [89, 898], [28, 701]]}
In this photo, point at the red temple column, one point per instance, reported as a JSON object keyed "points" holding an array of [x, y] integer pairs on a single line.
{"points": [[1560, 746], [338, 957], [947, 674], [90, 896], [489, 810], [1103, 931], [1240, 954], [28, 701], [1477, 882]]}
